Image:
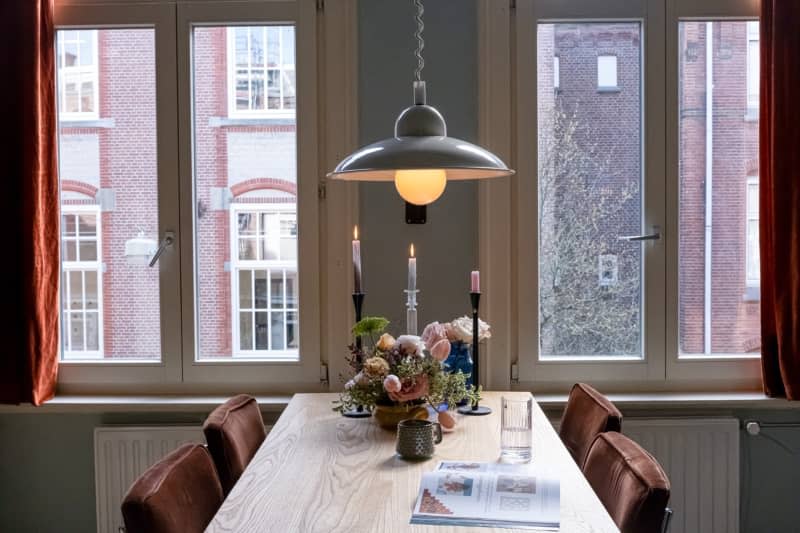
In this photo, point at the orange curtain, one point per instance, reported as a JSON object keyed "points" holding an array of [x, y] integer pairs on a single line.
{"points": [[29, 218], [780, 197]]}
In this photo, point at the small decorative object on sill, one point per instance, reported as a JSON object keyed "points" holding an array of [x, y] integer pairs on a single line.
{"points": [[396, 378]]}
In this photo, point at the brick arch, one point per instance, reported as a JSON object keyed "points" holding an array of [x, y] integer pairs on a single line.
{"points": [[751, 166], [256, 184], [80, 187]]}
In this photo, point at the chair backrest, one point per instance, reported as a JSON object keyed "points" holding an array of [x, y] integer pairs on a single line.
{"points": [[587, 414], [179, 494], [629, 482], [234, 432]]}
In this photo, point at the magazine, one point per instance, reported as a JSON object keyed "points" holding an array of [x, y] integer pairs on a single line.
{"points": [[466, 493]]}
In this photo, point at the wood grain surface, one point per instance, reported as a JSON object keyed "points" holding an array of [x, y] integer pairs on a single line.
{"points": [[320, 472]]}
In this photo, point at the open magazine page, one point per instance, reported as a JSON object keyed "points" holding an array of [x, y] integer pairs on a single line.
{"points": [[488, 494]]}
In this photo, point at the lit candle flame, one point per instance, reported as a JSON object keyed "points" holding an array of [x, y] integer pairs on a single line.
{"points": [[412, 250], [355, 232]]}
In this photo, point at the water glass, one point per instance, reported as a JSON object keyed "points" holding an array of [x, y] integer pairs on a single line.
{"points": [[516, 436]]}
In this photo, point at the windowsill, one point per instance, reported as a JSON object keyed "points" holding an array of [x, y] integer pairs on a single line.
{"points": [[136, 404], [751, 115], [752, 293], [608, 89], [665, 401], [102, 123], [221, 122]]}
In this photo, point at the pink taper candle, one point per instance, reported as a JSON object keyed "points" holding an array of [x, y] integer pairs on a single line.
{"points": [[475, 281], [356, 262]]}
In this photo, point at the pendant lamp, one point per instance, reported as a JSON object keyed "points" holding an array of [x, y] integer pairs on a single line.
{"points": [[420, 158]]}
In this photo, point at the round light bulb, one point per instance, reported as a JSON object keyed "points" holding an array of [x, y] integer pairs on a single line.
{"points": [[420, 186]]}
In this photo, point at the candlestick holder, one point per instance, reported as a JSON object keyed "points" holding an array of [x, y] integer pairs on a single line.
{"points": [[358, 303], [475, 409], [411, 311]]}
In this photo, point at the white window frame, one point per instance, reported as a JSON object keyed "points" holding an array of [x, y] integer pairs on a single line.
{"points": [[508, 252], [602, 72], [238, 265], [92, 69], [751, 216], [753, 71], [95, 266], [327, 120], [256, 113]]}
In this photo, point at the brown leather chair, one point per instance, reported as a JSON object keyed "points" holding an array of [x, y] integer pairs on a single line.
{"points": [[234, 432], [630, 483], [587, 414], [179, 494]]}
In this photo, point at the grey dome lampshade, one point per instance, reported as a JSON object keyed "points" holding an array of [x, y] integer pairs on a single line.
{"points": [[420, 142]]}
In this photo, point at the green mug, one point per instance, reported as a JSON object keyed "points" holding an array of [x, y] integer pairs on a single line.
{"points": [[416, 440]]}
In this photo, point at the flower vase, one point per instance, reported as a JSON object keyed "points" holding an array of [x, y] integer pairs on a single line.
{"points": [[388, 416], [460, 358]]}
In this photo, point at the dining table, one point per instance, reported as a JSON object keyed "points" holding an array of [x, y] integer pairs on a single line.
{"points": [[318, 471]]}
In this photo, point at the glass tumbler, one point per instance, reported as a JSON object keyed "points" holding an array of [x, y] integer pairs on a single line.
{"points": [[516, 430]]}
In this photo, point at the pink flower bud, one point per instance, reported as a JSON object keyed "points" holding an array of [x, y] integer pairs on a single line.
{"points": [[392, 383]]}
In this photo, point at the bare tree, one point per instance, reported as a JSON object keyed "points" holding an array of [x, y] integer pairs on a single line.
{"points": [[583, 206]]}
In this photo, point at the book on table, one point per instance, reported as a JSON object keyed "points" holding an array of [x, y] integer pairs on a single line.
{"points": [[465, 493]]}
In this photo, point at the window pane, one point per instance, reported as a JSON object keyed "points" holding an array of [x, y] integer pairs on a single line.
{"points": [[607, 71], [590, 171], [119, 298], [291, 330], [277, 331], [245, 182], [718, 303]]}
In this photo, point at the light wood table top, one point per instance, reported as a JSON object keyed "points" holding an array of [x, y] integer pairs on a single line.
{"points": [[320, 472]]}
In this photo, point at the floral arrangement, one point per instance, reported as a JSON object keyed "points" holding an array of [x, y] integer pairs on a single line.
{"points": [[406, 371]]}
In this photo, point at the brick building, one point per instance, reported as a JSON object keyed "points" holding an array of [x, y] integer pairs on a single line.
{"points": [[245, 191]]}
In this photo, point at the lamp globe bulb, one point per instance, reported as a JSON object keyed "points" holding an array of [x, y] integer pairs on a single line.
{"points": [[420, 186]]}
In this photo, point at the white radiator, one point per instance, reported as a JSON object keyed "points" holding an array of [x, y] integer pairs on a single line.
{"points": [[701, 458], [121, 454]]}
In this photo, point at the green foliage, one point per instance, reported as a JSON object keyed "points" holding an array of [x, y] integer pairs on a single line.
{"points": [[371, 325]]}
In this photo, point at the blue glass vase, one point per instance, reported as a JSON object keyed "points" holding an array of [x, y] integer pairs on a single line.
{"points": [[460, 358]]}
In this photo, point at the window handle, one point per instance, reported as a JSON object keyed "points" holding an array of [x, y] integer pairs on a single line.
{"points": [[166, 242], [656, 235]]}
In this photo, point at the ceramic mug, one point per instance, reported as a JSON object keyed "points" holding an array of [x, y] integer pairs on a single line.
{"points": [[416, 438]]}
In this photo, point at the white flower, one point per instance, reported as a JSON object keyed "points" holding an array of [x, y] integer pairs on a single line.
{"points": [[349, 385], [461, 330], [411, 344]]}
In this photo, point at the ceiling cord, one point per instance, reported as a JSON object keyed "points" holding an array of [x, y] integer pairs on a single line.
{"points": [[420, 40]]}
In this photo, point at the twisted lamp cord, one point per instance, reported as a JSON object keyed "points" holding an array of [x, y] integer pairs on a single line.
{"points": [[420, 40]]}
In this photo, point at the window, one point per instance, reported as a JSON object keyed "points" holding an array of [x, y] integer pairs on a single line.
{"points": [[82, 293], [625, 259], [753, 259], [261, 63], [265, 281], [753, 61], [716, 253], [77, 74], [233, 204], [556, 75], [606, 72]]}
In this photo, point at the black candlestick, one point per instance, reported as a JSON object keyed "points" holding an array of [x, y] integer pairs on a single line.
{"points": [[475, 409], [358, 303]]}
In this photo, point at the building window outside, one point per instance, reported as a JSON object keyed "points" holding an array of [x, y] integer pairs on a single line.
{"points": [[607, 72], [753, 62], [261, 71], [753, 258], [77, 74], [556, 72], [265, 283], [81, 285]]}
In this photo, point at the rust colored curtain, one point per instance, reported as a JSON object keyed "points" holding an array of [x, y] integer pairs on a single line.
{"points": [[779, 201], [29, 339]]}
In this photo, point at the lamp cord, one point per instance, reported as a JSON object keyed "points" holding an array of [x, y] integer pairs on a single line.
{"points": [[420, 40]]}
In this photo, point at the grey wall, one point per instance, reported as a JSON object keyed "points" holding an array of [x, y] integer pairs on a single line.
{"points": [[447, 244]]}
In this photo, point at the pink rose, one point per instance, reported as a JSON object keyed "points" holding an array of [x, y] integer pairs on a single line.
{"points": [[411, 390], [392, 384], [441, 350], [433, 333]]}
